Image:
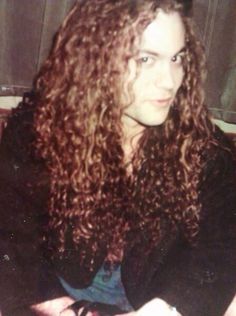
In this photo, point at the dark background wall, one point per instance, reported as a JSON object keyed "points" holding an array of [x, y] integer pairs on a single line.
{"points": [[216, 20], [27, 28], [26, 31]]}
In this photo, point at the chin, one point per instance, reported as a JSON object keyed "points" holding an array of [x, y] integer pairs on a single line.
{"points": [[157, 122], [155, 119]]}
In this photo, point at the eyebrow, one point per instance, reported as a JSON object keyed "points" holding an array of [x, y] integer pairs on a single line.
{"points": [[150, 52]]}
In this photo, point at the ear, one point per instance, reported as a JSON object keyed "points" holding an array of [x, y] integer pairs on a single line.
{"points": [[187, 6]]}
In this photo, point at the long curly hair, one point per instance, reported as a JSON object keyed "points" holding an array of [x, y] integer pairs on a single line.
{"points": [[93, 203]]}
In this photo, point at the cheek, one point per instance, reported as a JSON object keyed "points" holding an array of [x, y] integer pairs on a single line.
{"points": [[140, 87], [143, 82], [179, 78]]}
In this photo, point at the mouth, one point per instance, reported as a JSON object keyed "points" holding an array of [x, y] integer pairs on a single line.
{"points": [[162, 102]]}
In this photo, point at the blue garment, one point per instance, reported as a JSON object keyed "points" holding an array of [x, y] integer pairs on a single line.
{"points": [[106, 288]]}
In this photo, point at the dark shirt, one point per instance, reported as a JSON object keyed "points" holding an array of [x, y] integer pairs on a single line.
{"points": [[198, 280]]}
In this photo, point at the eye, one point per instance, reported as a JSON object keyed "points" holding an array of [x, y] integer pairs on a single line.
{"points": [[146, 60], [178, 59]]}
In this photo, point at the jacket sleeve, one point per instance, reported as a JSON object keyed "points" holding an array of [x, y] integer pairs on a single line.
{"points": [[199, 280], [25, 277]]}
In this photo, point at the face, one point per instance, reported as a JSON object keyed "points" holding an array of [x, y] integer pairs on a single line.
{"points": [[156, 74]]}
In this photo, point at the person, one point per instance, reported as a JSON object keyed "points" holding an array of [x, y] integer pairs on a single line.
{"points": [[118, 192]]}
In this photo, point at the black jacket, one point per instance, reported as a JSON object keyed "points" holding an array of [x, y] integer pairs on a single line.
{"points": [[199, 281]]}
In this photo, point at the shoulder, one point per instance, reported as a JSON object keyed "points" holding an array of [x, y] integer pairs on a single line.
{"points": [[220, 160], [23, 179], [218, 185], [18, 135], [22, 175]]}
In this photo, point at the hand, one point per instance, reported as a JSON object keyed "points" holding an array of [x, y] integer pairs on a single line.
{"points": [[87, 308], [231, 311], [69, 312], [53, 307], [155, 307]]}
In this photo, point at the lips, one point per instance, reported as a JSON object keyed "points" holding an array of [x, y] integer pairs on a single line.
{"points": [[161, 102]]}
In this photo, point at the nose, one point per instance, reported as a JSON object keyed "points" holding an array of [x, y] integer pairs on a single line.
{"points": [[164, 77]]}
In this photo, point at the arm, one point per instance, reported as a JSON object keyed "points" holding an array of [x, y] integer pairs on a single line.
{"points": [[25, 277], [198, 280], [201, 280]]}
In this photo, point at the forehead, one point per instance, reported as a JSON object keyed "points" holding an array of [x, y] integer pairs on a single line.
{"points": [[165, 35]]}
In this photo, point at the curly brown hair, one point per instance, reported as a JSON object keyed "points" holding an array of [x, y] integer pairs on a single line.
{"points": [[93, 202]]}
